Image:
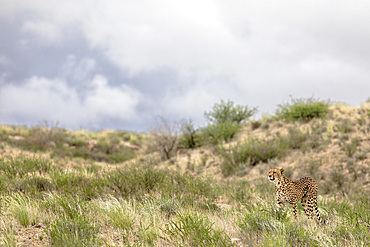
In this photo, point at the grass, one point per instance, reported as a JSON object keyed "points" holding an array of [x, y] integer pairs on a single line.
{"points": [[23, 209], [159, 207], [193, 229], [75, 232], [214, 195], [7, 237]]}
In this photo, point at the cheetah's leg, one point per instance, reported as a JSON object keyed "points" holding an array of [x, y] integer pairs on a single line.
{"points": [[295, 210], [306, 208]]}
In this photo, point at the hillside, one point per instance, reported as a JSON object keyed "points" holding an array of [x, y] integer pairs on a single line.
{"points": [[110, 188]]}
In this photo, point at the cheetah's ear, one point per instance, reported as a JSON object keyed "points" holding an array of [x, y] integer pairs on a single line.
{"points": [[282, 170]]}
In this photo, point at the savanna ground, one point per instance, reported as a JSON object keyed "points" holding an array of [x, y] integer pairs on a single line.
{"points": [[113, 188]]}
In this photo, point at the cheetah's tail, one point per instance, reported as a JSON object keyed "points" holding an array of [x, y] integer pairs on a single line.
{"points": [[319, 218]]}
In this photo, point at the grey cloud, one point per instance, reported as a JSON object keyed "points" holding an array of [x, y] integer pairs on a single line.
{"points": [[179, 58]]}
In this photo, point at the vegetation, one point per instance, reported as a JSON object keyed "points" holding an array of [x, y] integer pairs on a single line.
{"points": [[229, 112], [302, 110], [165, 136], [210, 195], [224, 121]]}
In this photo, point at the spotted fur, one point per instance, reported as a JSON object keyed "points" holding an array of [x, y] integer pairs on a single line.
{"points": [[304, 190]]}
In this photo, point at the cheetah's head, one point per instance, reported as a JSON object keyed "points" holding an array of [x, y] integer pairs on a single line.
{"points": [[275, 175]]}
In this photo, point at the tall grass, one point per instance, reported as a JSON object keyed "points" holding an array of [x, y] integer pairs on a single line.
{"points": [[193, 229], [7, 236], [23, 209], [76, 232]]}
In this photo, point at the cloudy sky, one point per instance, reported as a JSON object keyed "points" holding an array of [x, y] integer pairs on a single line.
{"points": [[117, 64]]}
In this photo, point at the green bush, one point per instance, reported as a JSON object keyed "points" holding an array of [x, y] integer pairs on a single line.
{"points": [[302, 110], [251, 152], [225, 119], [189, 135], [216, 133], [228, 112], [43, 137]]}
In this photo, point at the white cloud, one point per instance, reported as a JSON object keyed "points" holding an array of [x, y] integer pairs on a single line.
{"points": [[53, 100], [78, 69], [105, 101], [253, 52]]}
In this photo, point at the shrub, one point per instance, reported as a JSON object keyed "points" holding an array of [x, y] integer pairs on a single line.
{"points": [[225, 119], [345, 126], [35, 185], [228, 112], [216, 133], [251, 152], [44, 136], [302, 110], [165, 136], [255, 124], [350, 148], [296, 138], [189, 136]]}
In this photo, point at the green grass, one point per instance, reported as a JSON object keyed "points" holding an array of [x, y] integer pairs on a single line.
{"points": [[74, 189], [76, 232], [23, 209], [193, 229], [7, 237], [149, 205]]}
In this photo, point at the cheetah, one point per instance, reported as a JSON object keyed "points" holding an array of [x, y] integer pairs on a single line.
{"points": [[304, 190]]}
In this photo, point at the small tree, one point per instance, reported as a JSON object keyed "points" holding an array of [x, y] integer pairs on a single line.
{"points": [[165, 136], [228, 112], [225, 119], [188, 134]]}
